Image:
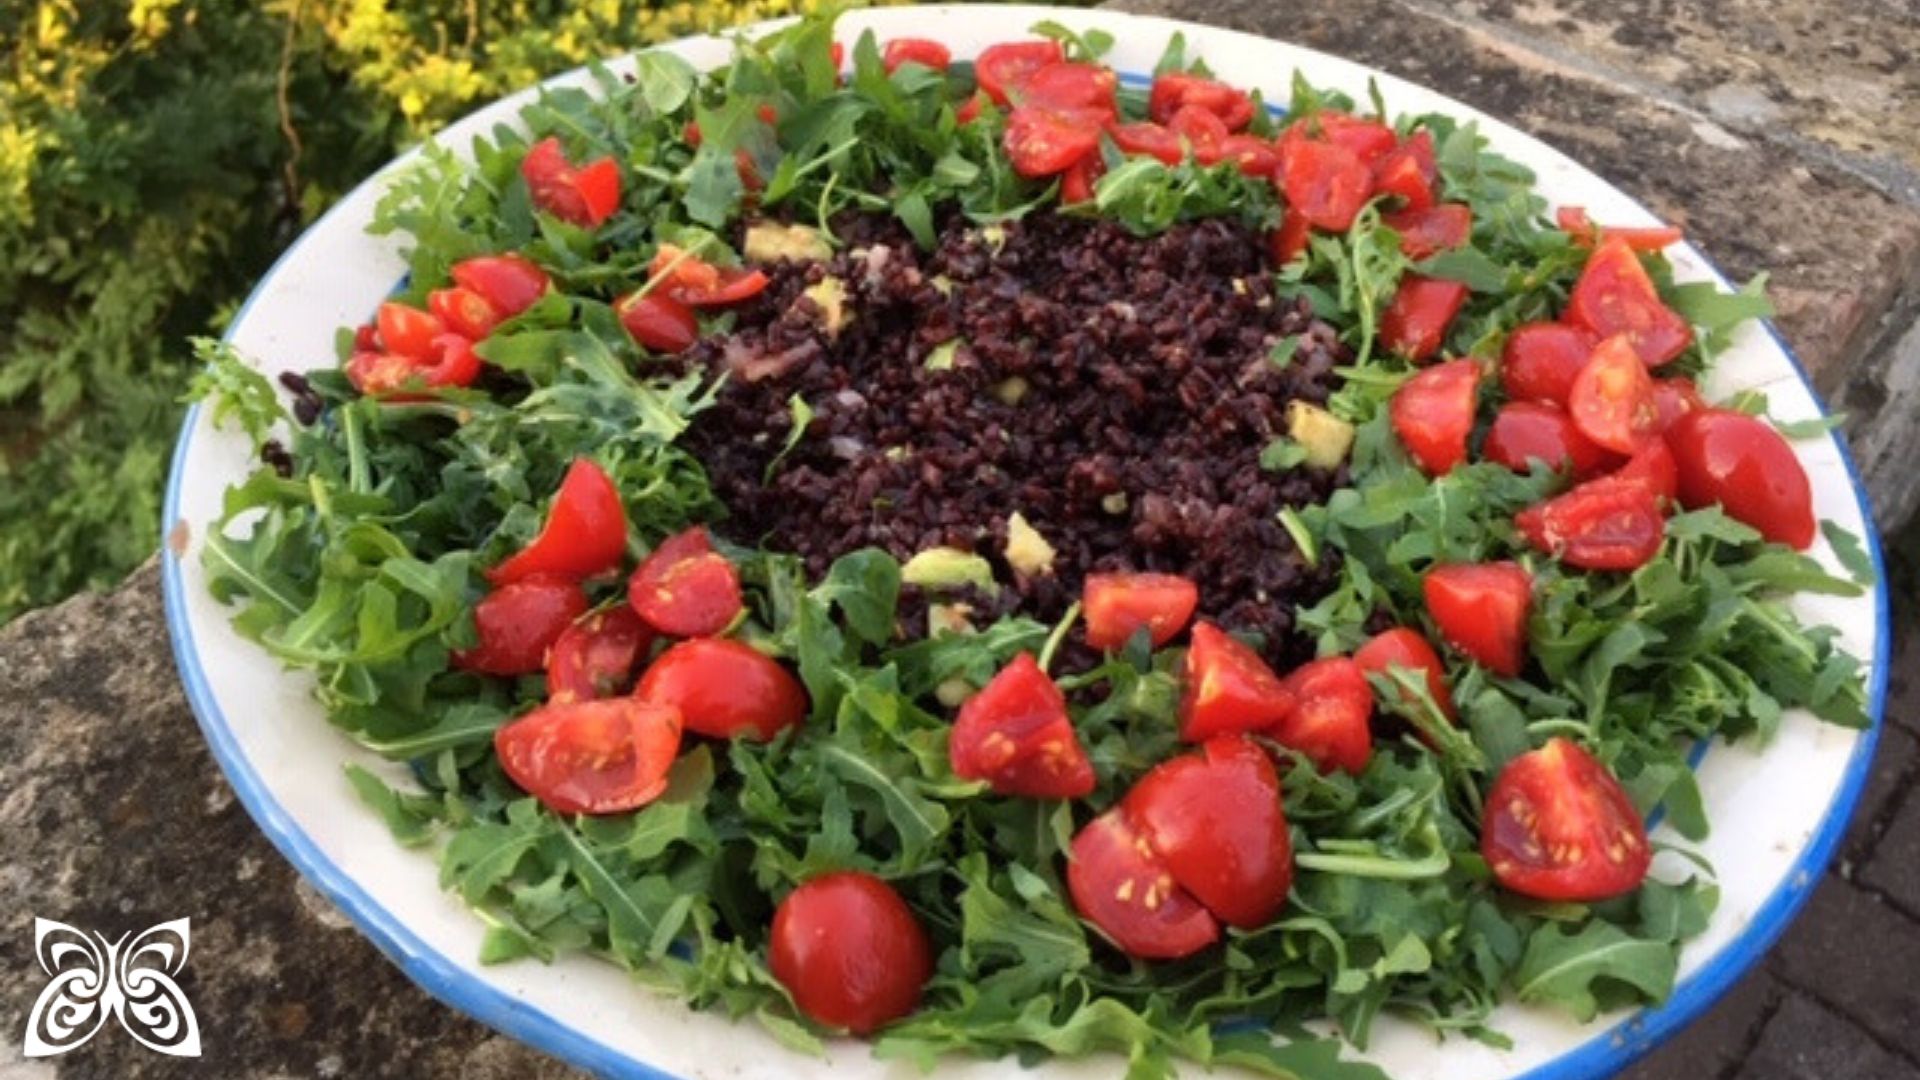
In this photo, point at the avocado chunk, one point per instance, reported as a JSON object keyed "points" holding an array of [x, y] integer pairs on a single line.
{"points": [[770, 241], [943, 568], [1326, 437]]}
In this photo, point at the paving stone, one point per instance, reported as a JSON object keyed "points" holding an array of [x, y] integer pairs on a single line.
{"points": [[1894, 867], [1895, 764], [1807, 1041], [1859, 956], [1716, 1042]]}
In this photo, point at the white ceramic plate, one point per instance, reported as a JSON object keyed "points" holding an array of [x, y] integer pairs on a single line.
{"points": [[1779, 812]]}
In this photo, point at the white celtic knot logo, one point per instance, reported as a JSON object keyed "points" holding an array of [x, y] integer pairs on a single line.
{"points": [[91, 978]]}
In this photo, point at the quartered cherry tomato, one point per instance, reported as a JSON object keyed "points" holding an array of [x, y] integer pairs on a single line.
{"points": [[1528, 431], [1653, 468], [1558, 826], [724, 689], [1611, 401], [659, 322], [1077, 183], [1007, 66], [1615, 296], [1674, 398], [1071, 86], [1409, 172], [585, 195], [1327, 183], [850, 951], [1043, 142], [911, 50], [1604, 524], [1251, 155], [1329, 720], [1431, 230], [1119, 885], [463, 312], [518, 622], [1415, 323], [1541, 360], [1016, 735], [685, 588], [1432, 413], [408, 331], [591, 757], [1148, 138], [1481, 609], [596, 656], [1404, 647], [450, 362], [511, 283], [1204, 133], [1175, 90], [1743, 464], [1289, 241], [1370, 140], [1227, 688], [585, 532], [1213, 819], [1116, 606], [1574, 221], [695, 282]]}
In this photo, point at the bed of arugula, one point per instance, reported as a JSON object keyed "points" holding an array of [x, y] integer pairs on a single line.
{"points": [[360, 568]]}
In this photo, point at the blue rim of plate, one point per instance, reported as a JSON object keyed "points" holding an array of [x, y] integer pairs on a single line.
{"points": [[1605, 1054]]}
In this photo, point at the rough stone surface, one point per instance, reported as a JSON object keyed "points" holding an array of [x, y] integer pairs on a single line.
{"points": [[1895, 765], [1895, 865], [1808, 1041], [1717, 1042], [1857, 955]]}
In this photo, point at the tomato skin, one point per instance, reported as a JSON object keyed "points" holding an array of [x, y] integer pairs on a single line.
{"points": [[511, 283], [911, 50], [1523, 431], [725, 689], [1612, 398], [585, 532], [408, 331], [1742, 463], [1614, 295], [1405, 647], [969, 110], [693, 282], [1329, 723], [1409, 172], [1076, 184], [1432, 413], [1251, 155], [1604, 524], [598, 183], [1120, 886], [1558, 826], [451, 363], [1574, 221], [463, 311], [1175, 90], [850, 951], [1016, 735], [1005, 67], [1431, 230], [1370, 140], [1044, 142], [1117, 605], [585, 196], [1227, 688], [1289, 241], [1541, 359], [596, 656], [1203, 132], [1674, 398], [1070, 86], [1214, 819], [1481, 609], [1654, 469], [1327, 183], [591, 757], [685, 588], [517, 622], [1415, 323], [1148, 138], [659, 322]]}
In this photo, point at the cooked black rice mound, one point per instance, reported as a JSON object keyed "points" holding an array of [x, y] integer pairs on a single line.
{"points": [[1114, 391]]}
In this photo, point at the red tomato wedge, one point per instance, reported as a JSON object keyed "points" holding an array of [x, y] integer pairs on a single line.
{"points": [[1370, 140], [685, 588], [1615, 296], [1558, 826], [1747, 467], [1541, 360], [591, 757], [1528, 431], [1151, 139], [598, 183], [596, 656], [1415, 323], [583, 196], [1611, 401], [408, 331], [1005, 67], [1119, 885], [1289, 241], [1432, 413], [1071, 86], [910, 50], [1574, 221], [585, 532], [1204, 133], [1404, 647], [1429, 231], [1654, 469], [1117, 606], [1042, 141], [850, 951], [1227, 688], [1481, 609], [1252, 156], [659, 322], [1213, 819], [1674, 398], [1604, 524], [1330, 722], [463, 312], [518, 622], [1016, 735], [1174, 91], [511, 283], [725, 689], [969, 110], [450, 362], [1327, 183], [1409, 172], [1077, 183]]}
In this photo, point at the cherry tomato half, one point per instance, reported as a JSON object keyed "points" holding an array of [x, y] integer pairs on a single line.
{"points": [[1409, 172], [1574, 221], [1329, 723], [1653, 468], [1289, 241], [584, 196], [1119, 885], [1743, 464], [591, 757], [1431, 230], [463, 312], [1541, 360], [1118, 605], [1077, 183], [850, 951], [685, 588], [1203, 132], [1433, 414], [511, 283], [1016, 735], [451, 363], [659, 322], [1042, 141], [1415, 323], [1481, 609], [1327, 183], [725, 689], [1072, 87], [1370, 140], [408, 331], [1175, 90], [1611, 401], [1615, 296], [1252, 155], [1148, 138], [1214, 820], [1558, 826], [1604, 524], [1404, 647], [1227, 688], [1674, 398], [1528, 431], [585, 532], [518, 622], [911, 50], [596, 656], [1005, 67]]}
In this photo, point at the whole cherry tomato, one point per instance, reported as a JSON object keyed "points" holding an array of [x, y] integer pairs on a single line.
{"points": [[1432, 413], [518, 622], [1227, 688], [1213, 818], [585, 531], [685, 588], [1116, 606], [1743, 464], [1558, 826], [850, 951], [1481, 609], [1016, 735], [725, 689], [591, 757]]}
